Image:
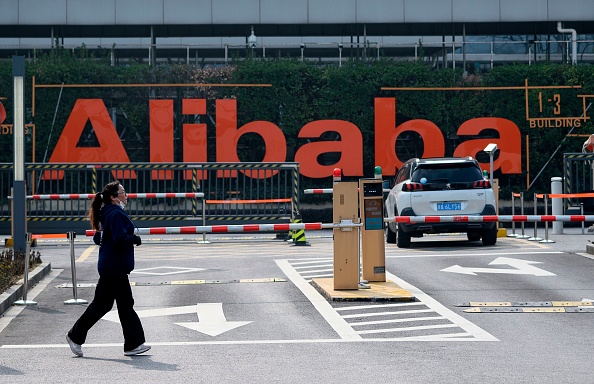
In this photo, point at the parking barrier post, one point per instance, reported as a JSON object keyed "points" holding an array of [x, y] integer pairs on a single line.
{"points": [[76, 300], [523, 235], [24, 300], [557, 204], [513, 212], [546, 239], [582, 213], [535, 237]]}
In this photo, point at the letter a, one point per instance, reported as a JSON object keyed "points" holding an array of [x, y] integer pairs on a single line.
{"points": [[110, 149]]}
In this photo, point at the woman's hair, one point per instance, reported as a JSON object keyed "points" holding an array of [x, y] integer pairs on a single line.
{"points": [[103, 197]]}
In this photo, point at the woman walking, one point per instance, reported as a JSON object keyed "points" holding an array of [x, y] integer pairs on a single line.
{"points": [[116, 261]]}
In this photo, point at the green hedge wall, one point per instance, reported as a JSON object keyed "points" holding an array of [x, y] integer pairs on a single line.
{"points": [[303, 92]]}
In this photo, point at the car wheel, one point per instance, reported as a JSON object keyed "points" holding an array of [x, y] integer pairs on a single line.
{"points": [[403, 239], [390, 235], [473, 236], [490, 236]]}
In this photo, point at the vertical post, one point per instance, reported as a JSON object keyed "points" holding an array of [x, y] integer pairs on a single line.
{"points": [[523, 235], [19, 215], [24, 301], [557, 204], [76, 300], [194, 189], [94, 179], [582, 213], [513, 212], [546, 239], [535, 237]]}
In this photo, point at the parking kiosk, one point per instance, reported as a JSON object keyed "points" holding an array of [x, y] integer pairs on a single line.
{"points": [[346, 240], [373, 252]]}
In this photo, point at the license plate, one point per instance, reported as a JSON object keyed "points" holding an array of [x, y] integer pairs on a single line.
{"points": [[449, 206]]}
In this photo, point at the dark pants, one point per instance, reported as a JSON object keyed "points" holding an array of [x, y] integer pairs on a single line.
{"points": [[109, 289]]}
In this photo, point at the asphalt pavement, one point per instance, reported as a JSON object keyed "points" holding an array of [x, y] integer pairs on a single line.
{"points": [[241, 307]]}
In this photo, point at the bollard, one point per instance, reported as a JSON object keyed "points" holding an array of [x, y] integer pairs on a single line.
{"points": [[24, 301], [535, 237], [513, 212], [557, 204], [546, 239], [523, 235], [76, 300], [582, 213]]}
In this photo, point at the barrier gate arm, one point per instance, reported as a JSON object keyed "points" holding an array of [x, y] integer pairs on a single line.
{"points": [[488, 218], [239, 228]]}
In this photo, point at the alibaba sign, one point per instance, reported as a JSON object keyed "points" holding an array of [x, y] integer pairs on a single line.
{"points": [[350, 145]]}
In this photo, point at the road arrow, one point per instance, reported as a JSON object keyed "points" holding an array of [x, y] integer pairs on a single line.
{"points": [[523, 267], [211, 318]]}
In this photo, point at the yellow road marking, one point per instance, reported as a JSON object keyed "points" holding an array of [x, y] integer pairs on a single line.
{"points": [[86, 253]]}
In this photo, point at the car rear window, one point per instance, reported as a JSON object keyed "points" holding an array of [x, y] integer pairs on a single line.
{"points": [[446, 173]]}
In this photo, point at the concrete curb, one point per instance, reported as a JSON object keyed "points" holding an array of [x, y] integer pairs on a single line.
{"points": [[14, 293]]}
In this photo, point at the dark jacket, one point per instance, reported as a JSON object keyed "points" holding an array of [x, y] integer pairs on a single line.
{"points": [[116, 254]]}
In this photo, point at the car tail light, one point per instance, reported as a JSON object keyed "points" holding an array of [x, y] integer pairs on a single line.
{"points": [[409, 187], [482, 184]]}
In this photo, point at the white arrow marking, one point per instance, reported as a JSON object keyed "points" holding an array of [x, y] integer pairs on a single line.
{"points": [[523, 267], [211, 320]]}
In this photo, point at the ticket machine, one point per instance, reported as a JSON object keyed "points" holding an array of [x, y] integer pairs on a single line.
{"points": [[373, 252]]}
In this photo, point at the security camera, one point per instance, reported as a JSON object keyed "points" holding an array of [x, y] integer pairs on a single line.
{"points": [[340, 45], [252, 45], [302, 46], [491, 148]]}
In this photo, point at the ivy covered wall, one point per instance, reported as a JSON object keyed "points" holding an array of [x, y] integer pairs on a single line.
{"points": [[303, 92]]}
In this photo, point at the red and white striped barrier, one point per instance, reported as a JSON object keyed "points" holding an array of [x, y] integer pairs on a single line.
{"points": [[237, 228], [489, 218], [318, 226], [76, 196], [317, 191]]}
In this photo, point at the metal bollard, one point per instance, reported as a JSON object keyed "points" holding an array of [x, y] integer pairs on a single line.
{"points": [[513, 212], [203, 241], [523, 235], [76, 300], [582, 213], [546, 239], [535, 237], [24, 301]]}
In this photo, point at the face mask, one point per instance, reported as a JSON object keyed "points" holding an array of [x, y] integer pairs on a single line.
{"points": [[122, 205]]}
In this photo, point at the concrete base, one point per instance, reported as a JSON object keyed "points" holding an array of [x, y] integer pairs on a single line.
{"points": [[590, 249], [378, 291]]}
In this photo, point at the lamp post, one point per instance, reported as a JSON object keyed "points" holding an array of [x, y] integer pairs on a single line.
{"points": [[491, 149], [19, 196]]}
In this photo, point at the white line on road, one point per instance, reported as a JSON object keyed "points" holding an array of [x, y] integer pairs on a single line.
{"points": [[344, 330], [454, 254]]}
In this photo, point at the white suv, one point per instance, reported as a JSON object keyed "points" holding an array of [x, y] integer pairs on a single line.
{"points": [[449, 186]]}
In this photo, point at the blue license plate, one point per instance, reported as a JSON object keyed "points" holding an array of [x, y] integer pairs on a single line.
{"points": [[449, 206]]}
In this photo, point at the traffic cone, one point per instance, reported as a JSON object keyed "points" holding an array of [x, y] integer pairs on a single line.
{"points": [[299, 234]]}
